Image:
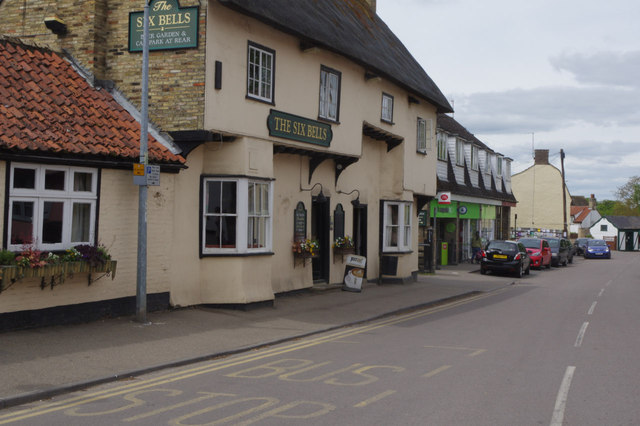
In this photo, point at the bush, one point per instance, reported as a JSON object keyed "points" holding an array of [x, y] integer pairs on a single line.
{"points": [[7, 257]]}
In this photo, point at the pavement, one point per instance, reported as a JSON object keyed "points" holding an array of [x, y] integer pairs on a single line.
{"points": [[42, 362]]}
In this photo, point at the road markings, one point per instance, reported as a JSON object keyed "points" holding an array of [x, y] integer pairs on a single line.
{"points": [[232, 362], [608, 283], [436, 371], [374, 399], [592, 308], [474, 351], [561, 399], [581, 333]]}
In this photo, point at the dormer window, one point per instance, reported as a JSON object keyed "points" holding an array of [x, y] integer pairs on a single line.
{"points": [[474, 158], [499, 166], [459, 152], [442, 146]]}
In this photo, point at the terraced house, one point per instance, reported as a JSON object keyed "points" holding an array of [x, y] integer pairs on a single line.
{"points": [[296, 120]]}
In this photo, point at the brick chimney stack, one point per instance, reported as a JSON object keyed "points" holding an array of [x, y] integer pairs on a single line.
{"points": [[592, 202], [541, 156]]}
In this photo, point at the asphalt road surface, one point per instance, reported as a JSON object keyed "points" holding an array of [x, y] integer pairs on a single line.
{"points": [[560, 346]]}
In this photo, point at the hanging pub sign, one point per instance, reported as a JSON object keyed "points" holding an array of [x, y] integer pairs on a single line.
{"points": [[170, 26], [289, 126]]}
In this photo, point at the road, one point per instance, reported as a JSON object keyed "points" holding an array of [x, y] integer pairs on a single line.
{"points": [[558, 347]]}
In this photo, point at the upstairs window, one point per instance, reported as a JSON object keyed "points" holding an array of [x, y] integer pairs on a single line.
{"points": [[51, 207], [387, 108], [260, 71], [442, 146], [459, 152], [499, 166], [424, 131], [487, 163], [329, 94], [474, 157]]}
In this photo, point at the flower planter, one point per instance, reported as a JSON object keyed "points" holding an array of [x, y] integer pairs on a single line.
{"points": [[342, 251], [58, 271]]}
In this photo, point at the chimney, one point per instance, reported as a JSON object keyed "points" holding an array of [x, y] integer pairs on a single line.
{"points": [[541, 156], [592, 202]]}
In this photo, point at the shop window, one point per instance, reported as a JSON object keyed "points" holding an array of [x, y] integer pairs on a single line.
{"points": [[329, 108], [237, 216], [51, 207], [260, 72], [396, 226]]}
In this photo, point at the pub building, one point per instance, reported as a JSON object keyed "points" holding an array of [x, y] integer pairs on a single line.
{"points": [[297, 126]]}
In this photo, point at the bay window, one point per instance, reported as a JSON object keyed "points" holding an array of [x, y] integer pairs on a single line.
{"points": [[396, 226], [51, 207], [236, 216]]}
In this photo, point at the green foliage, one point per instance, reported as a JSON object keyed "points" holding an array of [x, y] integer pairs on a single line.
{"points": [[629, 195], [7, 257], [616, 208]]}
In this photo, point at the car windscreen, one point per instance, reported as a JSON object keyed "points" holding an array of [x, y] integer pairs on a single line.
{"points": [[530, 242], [593, 243], [503, 247], [554, 243]]}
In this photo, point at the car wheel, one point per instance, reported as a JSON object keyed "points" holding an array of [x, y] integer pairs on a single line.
{"points": [[548, 265], [520, 271], [528, 270], [571, 259], [483, 271]]}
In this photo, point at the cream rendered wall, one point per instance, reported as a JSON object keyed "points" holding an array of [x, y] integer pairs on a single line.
{"points": [[118, 232], [539, 193]]}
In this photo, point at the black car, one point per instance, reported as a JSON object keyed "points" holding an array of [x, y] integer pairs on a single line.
{"points": [[560, 251], [505, 256], [580, 243]]}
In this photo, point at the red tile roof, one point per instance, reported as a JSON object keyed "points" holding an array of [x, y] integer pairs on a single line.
{"points": [[579, 213], [47, 107]]}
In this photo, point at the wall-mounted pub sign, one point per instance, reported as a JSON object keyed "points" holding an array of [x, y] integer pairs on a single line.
{"points": [[170, 26], [289, 126]]}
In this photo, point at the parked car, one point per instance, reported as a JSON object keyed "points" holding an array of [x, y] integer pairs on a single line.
{"points": [[539, 252], [579, 244], [560, 251], [597, 248], [505, 256]]}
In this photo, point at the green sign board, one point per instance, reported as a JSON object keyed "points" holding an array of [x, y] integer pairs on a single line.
{"points": [[170, 26], [299, 129]]}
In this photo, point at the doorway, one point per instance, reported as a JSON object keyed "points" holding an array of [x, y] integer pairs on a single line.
{"points": [[360, 231], [320, 224]]}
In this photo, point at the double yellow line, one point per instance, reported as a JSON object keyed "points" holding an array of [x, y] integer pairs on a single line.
{"points": [[229, 362]]}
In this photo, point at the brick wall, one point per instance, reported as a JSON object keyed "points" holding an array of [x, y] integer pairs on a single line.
{"points": [[97, 37]]}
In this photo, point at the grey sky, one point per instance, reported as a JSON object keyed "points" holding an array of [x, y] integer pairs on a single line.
{"points": [[544, 73]]}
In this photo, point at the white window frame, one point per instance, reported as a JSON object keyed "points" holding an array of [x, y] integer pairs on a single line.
{"points": [[499, 166], [329, 104], [474, 157], [424, 135], [459, 152], [260, 72], [39, 196], [243, 217], [442, 145], [386, 113], [487, 163], [402, 229]]}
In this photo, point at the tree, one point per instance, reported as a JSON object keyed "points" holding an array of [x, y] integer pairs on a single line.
{"points": [[629, 194]]}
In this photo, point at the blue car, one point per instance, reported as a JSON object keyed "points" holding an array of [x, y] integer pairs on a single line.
{"points": [[597, 248]]}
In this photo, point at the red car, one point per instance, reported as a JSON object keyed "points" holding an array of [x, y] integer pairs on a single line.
{"points": [[539, 252]]}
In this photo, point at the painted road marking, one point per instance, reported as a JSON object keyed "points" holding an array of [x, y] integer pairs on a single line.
{"points": [[561, 399], [592, 308], [581, 333], [136, 385], [374, 399], [601, 291], [474, 352], [436, 371]]}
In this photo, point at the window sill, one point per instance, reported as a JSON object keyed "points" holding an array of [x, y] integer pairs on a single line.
{"points": [[421, 152], [387, 121], [386, 252], [328, 120], [245, 254], [264, 101]]}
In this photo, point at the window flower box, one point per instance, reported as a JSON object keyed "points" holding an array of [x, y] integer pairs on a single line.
{"points": [[55, 273], [306, 249]]}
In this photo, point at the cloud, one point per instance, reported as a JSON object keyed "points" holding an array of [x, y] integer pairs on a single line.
{"points": [[547, 109], [604, 68]]}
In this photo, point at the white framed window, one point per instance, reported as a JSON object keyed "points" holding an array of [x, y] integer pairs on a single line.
{"points": [[499, 166], [397, 226], [487, 163], [387, 108], [474, 157], [442, 146], [424, 135], [260, 72], [51, 207], [236, 216], [329, 107], [459, 152]]}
